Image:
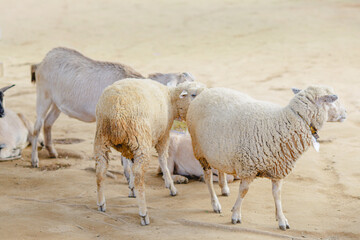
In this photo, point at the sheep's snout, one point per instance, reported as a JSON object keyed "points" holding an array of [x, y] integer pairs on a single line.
{"points": [[336, 113]]}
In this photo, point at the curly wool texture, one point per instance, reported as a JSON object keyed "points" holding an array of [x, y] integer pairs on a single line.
{"points": [[240, 135], [139, 112]]}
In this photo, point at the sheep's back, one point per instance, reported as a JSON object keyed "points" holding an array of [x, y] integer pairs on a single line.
{"points": [[236, 133], [137, 107]]}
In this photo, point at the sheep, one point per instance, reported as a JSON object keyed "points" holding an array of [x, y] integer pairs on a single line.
{"points": [[132, 116], [182, 162], [71, 83], [16, 133], [2, 90], [239, 135]]}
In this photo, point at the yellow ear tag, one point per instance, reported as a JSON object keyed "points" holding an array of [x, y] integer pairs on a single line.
{"points": [[179, 127], [315, 143]]}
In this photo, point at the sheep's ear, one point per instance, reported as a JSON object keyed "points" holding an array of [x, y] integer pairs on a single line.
{"points": [[6, 88], [328, 98], [183, 94], [172, 83], [296, 90]]}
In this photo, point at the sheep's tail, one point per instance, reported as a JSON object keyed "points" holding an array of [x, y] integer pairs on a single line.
{"points": [[33, 74]]}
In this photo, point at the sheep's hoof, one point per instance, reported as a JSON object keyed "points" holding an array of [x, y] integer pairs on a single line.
{"points": [[235, 221], [225, 191], [102, 208], [217, 207], [217, 210], [145, 220], [226, 194], [282, 227], [180, 179], [173, 192]]}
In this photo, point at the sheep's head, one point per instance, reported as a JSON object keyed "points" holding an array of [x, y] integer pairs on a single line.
{"points": [[2, 90], [326, 101], [172, 79], [184, 93]]}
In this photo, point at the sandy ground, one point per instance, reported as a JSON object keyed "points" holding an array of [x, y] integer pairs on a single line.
{"points": [[260, 47]]}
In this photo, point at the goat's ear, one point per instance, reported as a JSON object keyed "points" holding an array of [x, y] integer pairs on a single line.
{"points": [[6, 88], [154, 75], [183, 94], [328, 98], [188, 76], [295, 90], [172, 83]]}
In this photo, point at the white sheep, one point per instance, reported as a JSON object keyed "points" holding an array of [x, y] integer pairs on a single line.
{"points": [[71, 83], [133, 116], [239, 135], [16, 133]]}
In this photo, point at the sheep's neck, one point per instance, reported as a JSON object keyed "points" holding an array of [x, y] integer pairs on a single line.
{"points": [[286, 144], [174, 95]]}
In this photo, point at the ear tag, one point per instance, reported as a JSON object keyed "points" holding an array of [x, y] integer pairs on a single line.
{"points": [[315, 143]]}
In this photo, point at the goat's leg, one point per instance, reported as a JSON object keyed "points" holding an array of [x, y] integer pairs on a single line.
{"points": [[141, 161], [101, 155], [243, 189], [49, 121], [225, 191], [42, 107], [276, 191], [163, 150]]}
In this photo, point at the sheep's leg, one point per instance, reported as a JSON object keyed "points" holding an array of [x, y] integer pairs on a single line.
{"points": [[162, 148], [101, 155], [127, 164], [42, 107], [243, 189], [179, 179], [276, 190], [225, 191], [49, 121], [208, 176], [141, 160]]}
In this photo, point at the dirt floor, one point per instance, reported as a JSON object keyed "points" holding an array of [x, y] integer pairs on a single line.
{"points": [[260, 47]]}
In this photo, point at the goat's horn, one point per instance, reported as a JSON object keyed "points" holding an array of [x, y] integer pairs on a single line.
{"points": [[6, 88]]}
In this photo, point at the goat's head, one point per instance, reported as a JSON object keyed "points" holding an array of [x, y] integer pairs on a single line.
{"points": [[2, 90]]}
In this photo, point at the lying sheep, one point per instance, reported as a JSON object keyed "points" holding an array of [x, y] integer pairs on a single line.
{"points": [[132, 116], [16, 133], [71, 83], [239, 135], [182, 162]]}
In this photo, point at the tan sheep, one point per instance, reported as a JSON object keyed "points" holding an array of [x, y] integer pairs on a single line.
{"points": [[239, 135], [133, 116]]}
